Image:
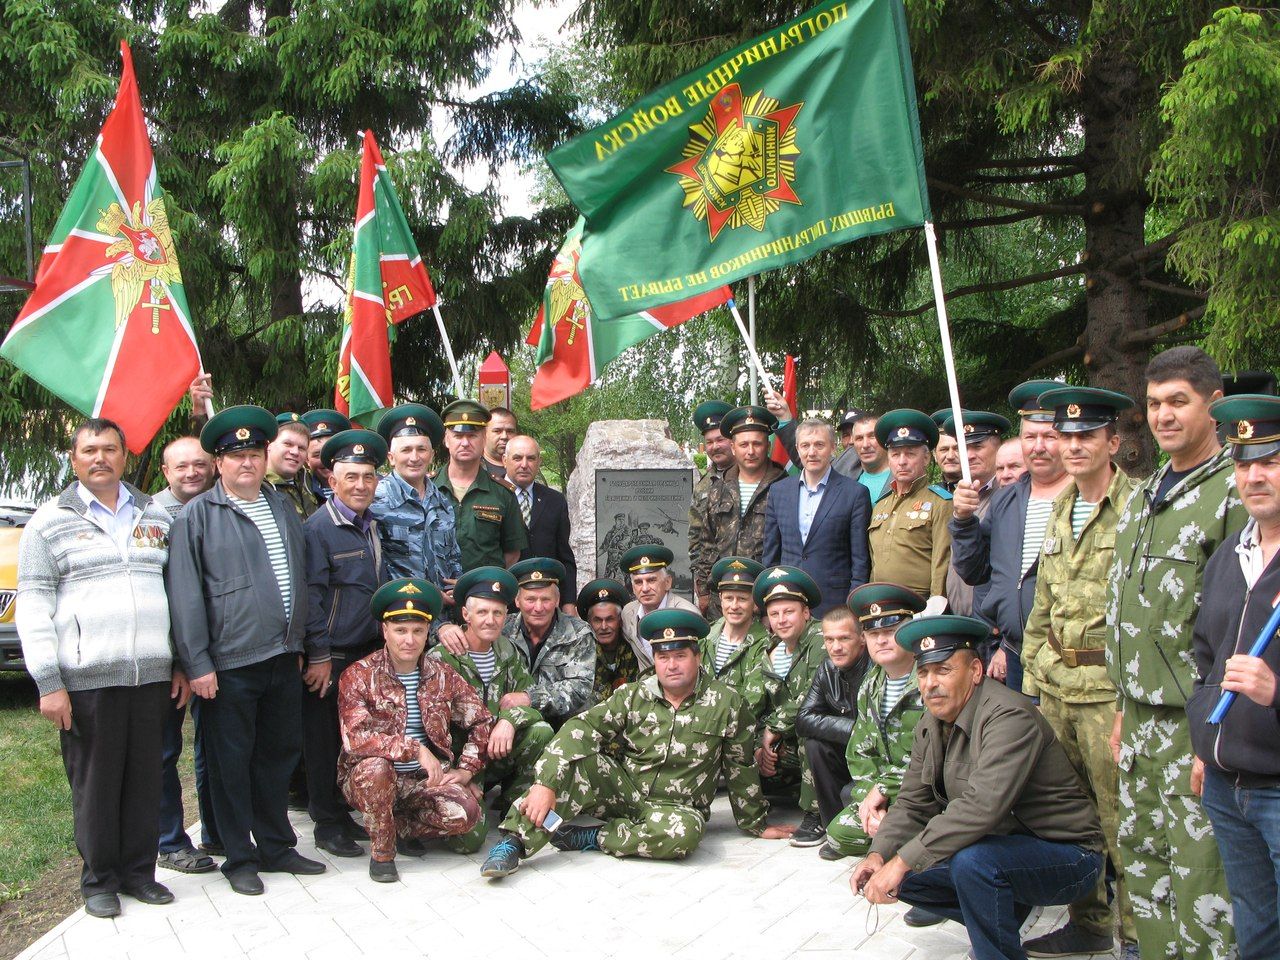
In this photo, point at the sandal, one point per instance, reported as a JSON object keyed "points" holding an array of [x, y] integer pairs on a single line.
{"points": [[186, 861]]}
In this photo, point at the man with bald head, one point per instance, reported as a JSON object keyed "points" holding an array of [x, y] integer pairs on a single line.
{"points": [[545, 512]]}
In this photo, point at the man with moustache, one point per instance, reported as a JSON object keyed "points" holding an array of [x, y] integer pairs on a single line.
{"points": [[872, 457], [618, 661], [1002, 549], [947, 454], [706, 418]]}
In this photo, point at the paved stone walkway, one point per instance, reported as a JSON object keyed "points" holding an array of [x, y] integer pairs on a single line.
{"points": [[736, 897]]}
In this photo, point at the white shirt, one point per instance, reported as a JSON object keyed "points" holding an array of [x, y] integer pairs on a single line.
{"points": [[118, 523], [1249, 550]]}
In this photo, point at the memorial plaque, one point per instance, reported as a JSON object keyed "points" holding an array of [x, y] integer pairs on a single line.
{"points": [[643, 506]]}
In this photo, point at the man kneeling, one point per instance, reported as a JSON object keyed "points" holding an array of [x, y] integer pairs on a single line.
{"points": [[991, 820], [679, 730], [395, 708]]}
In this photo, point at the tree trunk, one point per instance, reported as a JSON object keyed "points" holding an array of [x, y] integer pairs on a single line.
{"points": [[1115, 226]]}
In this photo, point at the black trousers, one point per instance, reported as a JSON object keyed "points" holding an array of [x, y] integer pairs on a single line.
{"points": [[112, 759], [253, 737], [321, 743], [830, 773]]}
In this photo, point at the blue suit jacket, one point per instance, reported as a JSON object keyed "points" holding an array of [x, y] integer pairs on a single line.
{"points": [[836, 554]]}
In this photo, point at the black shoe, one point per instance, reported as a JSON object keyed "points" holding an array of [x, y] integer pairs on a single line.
{"points": [[103, 905], [920, 917], [829, 852], [383, 871], [295, 863], [810, 833], [153, 893], [1069, 940], [214, 849], [246, 881], [411, 847], [340, 846], [355, 831], [186, 861], [504, 858]]}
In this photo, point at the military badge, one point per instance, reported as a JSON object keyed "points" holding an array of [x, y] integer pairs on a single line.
{"points": [[669, 632], [1244, 430], [1073, 411], [928, 643], [410, 421], [874, 610], [408, 588], [536, 575], [358, 449], [242, 433], [904, 432], [778, 572]]}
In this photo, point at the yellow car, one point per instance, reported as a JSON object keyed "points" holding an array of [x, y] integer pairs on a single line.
{"points": [[12, 520]]}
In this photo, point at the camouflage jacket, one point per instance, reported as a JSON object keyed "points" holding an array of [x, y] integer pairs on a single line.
{"points": [[729, 532], [777, 699], [615, 667], [1157, 578], [373, 714], [510, 676], [1071, 598], [879, 757], [673, 756], [698, 511], [296, 492], [741, 661], [418, 535], [563, 667]]}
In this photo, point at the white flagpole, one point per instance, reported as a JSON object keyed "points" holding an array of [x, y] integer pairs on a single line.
{"points": [[751, 347], [448, 350], [208, 401], [751, 331], [944, 328]]}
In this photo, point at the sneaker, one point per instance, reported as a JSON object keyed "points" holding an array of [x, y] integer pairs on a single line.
{"points": [[810, 833], [1069, 941], [829, 852], [504, 858], [1129, 951], [581, 839], [920, 917]]}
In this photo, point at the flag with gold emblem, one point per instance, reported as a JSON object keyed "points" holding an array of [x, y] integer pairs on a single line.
{"points": [[107, 327], [801, 139]]}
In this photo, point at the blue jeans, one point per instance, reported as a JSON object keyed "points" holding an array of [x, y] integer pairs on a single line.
{"points": [[992, 885], [1246, 824], [1013, 667]]}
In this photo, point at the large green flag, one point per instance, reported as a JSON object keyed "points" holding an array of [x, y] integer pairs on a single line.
{"points": [[802, 139]]}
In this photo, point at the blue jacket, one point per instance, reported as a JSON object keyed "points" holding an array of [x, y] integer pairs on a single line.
{"points": [[419, 537], [343, 571], [987, 554], [836, 554]]}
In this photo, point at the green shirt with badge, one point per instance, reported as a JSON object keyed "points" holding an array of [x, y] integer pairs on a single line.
{"points": [[488, 521], [910, 544]]}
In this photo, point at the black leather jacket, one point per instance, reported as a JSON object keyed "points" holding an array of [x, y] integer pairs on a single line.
{"points": [[831, 705]]}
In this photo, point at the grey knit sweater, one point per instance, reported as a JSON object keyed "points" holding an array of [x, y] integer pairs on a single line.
{"points": [[87, 616]]}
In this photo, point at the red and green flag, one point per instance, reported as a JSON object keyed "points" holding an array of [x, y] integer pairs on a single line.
{"points": [[107, 327], [574, 346], [801, 139], [386, 285]]}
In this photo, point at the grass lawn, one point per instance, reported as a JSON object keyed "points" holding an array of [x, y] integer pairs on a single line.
{"points": [[35, 801]]}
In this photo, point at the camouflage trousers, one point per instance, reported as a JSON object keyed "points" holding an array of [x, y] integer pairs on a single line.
{"points": [[634, 826], [845, 832], [1172, 866], [513, 774], [401, 804], [1084, 730]]}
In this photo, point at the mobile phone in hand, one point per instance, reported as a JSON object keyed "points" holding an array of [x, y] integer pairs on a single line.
{"points": [[551, 820]]}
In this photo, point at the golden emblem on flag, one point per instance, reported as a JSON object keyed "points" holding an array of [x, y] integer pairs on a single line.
{"points": [[740, 160], [566, 300], [146, 260], [1244, 430]]}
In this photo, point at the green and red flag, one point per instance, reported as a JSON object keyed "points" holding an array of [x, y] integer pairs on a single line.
{"points": [[107, 327], [386, 285], [801, 139], [574, 345]]}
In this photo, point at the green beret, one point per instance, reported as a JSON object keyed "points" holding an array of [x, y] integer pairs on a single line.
{"points": [[878, 605], [539, 572], [978, 425], [238, 428], [1253, 424], [668, 630], [708, 414], [748, 418], [354, 446], [411, 420], [647, 557], [1081, 409], [325, 423], [1025, 398], [493, 583], [934, 639], [601, 591], [785, 583], [407, 599], [465, 416], [735, 573], [905, 427], [287, 417]]}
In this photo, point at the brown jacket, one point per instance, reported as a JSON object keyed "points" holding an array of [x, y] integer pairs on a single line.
{"points": [[372, 715], [1003, 772], [728, 531]]}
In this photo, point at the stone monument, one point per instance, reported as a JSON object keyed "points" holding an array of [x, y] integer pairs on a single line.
{"points": [[644, 448]]}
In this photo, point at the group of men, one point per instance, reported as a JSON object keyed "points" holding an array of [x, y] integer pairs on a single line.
{"points": [[993, 691]]}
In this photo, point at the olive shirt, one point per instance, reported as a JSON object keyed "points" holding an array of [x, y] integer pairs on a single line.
{"points": [[997, 771], [909, 539], [487, 521]]}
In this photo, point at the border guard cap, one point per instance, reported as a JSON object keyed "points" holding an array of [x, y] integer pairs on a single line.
{"points": [[465, 416], [492, 583], [785, 583], [1025, 399], [538, 572], [934, 639], [905, 427], [668, 630], [354, 446], [647, 557], [741, 419], [411, 420], [1253, 424], [325, 423], [1081, 409], [735, 573], [238, 428], [879, 605], [708, 414], [406, 599], [601, 591]]}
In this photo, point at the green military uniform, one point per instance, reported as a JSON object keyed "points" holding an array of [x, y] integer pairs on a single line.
{"points": [[1064, 641], [295, 491], [735, 573], [777, 696], [514, 772], [488, 520], [706, 417], [908, 536], [617, 663], [656, 799], [1172, 866]]}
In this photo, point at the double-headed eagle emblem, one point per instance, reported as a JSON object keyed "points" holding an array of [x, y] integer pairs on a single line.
{"points": [[144, 258]]}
